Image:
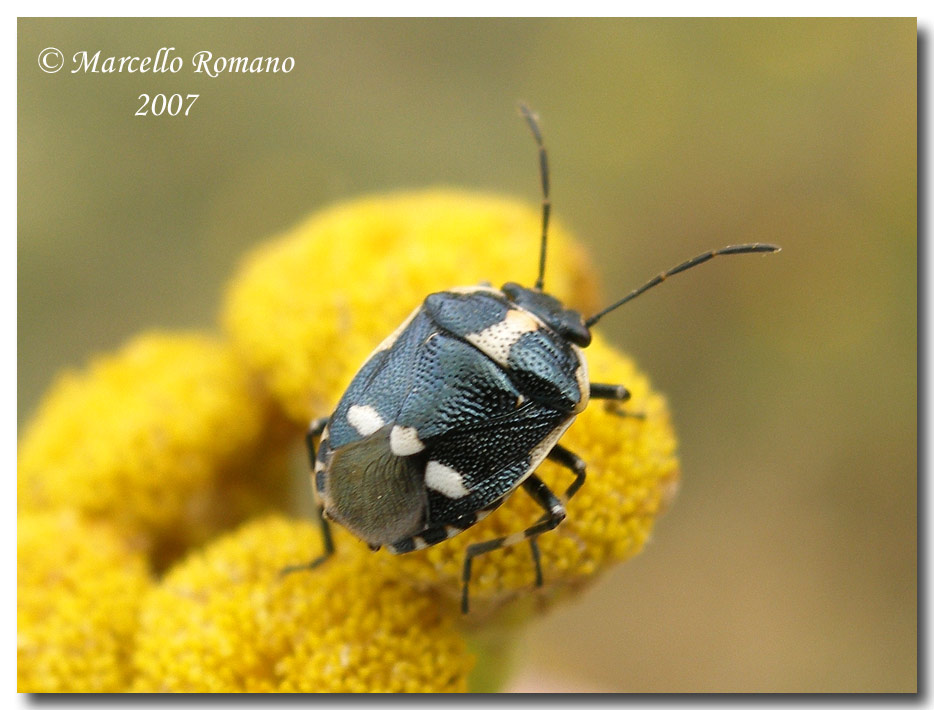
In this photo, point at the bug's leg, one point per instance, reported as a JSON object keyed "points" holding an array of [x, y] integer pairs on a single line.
{"points": [[554, 514], [537, 559], [574, 463], [315, 429], [614, 393], [625, 413], [327, 542]]}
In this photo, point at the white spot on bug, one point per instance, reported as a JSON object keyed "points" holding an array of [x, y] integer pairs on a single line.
{"points": [[420, 544], [365, 419], [497, 340], [445, 480], [583, 380], [404, 441]]}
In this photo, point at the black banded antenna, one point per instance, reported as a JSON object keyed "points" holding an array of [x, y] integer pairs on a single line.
{"points": [[532, 119], [689, 264]]}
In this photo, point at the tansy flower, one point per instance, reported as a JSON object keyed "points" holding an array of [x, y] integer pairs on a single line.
{"points": [[227, 620], [146, 436], [308, 308], [170, 440], [79, 586]]}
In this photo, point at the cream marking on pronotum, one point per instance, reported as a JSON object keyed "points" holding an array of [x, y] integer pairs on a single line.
{"points": [[497, 340]]}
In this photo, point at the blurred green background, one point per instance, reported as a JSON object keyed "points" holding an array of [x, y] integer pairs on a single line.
{"points": [[788, 561]]}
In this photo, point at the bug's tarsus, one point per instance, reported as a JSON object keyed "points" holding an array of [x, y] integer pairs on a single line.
{"points": [[554, 514], [472, 551], [624, 412], [532, 119], [613, 392], [537, 560], [328, 551], [689, 264], [614, 395], [327, 542]]}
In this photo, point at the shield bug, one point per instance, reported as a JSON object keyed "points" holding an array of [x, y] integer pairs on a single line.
{"points": [[455, 410]]}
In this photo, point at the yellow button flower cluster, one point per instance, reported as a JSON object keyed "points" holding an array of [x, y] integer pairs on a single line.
{"points": [[152, 438], [151, 455], [227, 620], [79, 588]]}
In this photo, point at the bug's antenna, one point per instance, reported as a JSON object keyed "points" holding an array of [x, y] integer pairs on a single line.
{"points": [[532, 119], [689, 264]]}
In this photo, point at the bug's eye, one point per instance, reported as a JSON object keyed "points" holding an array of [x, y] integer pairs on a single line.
{"points": [[512, 290], [573, 328]]}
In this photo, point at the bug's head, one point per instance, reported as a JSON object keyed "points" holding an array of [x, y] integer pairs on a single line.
{"points": [[564, 321]]}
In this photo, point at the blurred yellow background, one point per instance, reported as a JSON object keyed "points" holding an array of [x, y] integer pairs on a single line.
{"points": [[788, 561]]}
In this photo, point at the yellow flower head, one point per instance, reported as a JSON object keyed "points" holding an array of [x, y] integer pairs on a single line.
{"points": [[143, 436], [227, 620], [170, 440], [79, 587], [309, 307]]}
